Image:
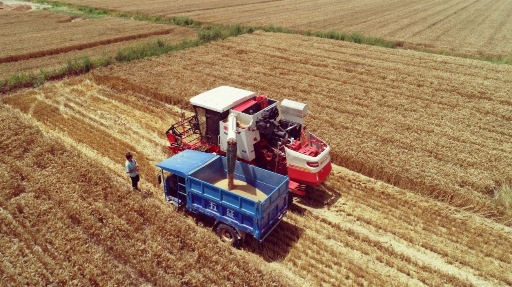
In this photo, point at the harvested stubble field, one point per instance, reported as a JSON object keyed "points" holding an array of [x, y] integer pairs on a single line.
{"points": [[67, 218], [476, 28], [39, 39], [62, 164]]}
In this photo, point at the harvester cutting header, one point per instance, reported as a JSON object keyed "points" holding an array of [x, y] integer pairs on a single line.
{"points": [[260, 131]]}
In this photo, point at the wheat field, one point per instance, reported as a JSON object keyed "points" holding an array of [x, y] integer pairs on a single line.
{"points": [[38, 39], [471, 28], [68, 219], [63, 154]]}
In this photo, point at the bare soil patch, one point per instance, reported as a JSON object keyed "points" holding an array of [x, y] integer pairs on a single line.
{"points": [[20, 6]]}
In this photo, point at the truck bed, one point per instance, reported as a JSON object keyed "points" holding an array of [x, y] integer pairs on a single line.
{"points": [[256, 208], [255, 216]]}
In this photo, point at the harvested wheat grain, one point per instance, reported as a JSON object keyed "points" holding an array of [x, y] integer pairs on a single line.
{"points": [[242, 188]]}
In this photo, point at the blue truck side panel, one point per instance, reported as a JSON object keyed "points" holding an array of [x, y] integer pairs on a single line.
{"points": [[251, 216]]}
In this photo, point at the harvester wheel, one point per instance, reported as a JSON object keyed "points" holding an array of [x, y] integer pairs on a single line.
{"points": [[228, 234]]}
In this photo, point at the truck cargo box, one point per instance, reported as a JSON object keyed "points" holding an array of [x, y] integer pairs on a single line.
{"points": [[256, 208]]}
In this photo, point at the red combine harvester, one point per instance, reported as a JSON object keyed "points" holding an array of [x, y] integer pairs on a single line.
{"points": [[268, 134]]}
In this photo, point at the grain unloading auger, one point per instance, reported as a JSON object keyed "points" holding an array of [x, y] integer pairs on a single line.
{"points": [[269, 134]]}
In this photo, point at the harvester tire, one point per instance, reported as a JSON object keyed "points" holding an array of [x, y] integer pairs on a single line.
{"points": [[228, 234]]}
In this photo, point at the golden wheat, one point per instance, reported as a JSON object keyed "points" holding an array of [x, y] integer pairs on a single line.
{"points": [[72, 221], [353, 230], [478, 28]]}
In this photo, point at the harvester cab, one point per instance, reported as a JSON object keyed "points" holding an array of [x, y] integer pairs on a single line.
{"points": [[269, 134]]}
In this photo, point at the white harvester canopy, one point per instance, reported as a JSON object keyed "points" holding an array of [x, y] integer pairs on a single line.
{"points": [[221, 98]]}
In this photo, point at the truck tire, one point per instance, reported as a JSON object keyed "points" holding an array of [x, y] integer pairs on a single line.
{"points": [[228, 234]]}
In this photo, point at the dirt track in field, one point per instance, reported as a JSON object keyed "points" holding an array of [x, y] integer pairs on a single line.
{"points": [[352, 230], [477, 28]]}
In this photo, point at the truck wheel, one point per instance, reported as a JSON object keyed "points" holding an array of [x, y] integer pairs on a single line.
{"points": [[228, 234]]}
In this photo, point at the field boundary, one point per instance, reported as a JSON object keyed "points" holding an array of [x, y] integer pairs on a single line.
{"points": [[55, 51]]}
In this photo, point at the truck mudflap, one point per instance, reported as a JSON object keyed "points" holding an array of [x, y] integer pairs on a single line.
{"points": [[297, 188]]}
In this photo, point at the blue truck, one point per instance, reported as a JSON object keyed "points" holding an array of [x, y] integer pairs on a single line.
{"points": [[189, 179]]}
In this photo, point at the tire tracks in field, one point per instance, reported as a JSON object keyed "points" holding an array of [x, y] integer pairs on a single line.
{"points": [[408, 226], [387, 15], [427, 16], [420, 256], [501, 24], [475, 23]]}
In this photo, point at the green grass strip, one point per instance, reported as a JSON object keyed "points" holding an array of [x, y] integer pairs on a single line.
{"points": [[152, 49], [354, 38], [85, 64]]}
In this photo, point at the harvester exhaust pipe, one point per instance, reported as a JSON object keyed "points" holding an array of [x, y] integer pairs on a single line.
{"points": [[231, 150]]}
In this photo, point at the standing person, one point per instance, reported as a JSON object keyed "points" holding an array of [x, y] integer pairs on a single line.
{"points": [[132, 169]]}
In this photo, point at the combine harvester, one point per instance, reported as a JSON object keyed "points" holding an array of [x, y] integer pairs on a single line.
{"points": [[260, 131], [255, 205]]}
